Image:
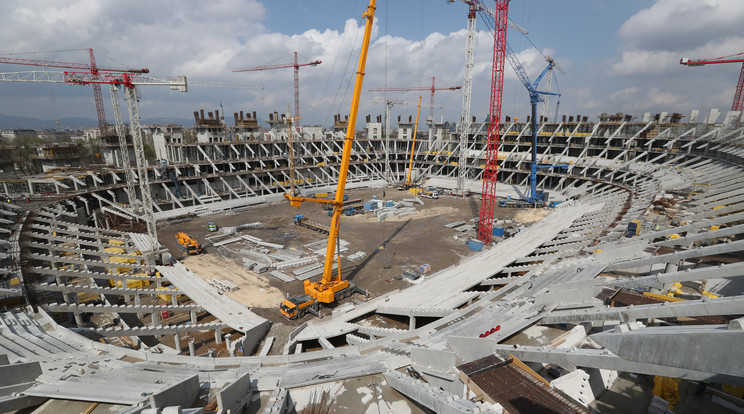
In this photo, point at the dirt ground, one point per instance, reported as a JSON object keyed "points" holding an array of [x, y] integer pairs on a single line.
{"points": [[391, 246]]}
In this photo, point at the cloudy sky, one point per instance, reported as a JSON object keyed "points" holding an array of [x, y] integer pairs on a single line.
{"points": [[618, 56]]}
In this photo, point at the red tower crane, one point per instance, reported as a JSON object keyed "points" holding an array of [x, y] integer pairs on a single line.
{"points": [[490, 171], [738, 103], [420, 88], [296, 67], [92, 67]]}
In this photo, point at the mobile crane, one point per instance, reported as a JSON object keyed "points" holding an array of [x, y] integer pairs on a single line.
{"points": [[332, 287]]}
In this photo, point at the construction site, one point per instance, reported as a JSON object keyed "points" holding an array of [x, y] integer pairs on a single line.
{"points": [[519, 266]]}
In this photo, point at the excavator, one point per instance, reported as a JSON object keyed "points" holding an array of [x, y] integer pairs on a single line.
{"points": [[405, 185], [332, 287]]}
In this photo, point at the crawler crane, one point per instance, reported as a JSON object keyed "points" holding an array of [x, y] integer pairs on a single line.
{"points": [[332, 287]]}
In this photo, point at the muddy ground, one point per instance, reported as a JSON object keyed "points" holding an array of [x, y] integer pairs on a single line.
{"points": [[391, 246]]}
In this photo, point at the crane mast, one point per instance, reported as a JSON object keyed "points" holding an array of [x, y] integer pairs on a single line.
{"points": [[325, 291], [465, 123], [488, 193], [466, 98]]}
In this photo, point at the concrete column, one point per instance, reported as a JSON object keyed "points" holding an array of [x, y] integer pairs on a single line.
{"points": [[192, 348], [138, 302], [212, 353], [177, 342], [78, 319], [155, 319], [193, 317], [127, 299], [30, 187], [228, 344], [174, 300], [411, 322], [218, 336]]}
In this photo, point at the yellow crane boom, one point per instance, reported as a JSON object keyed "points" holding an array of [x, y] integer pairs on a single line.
{"points": [[413, 144], [325, 291]]}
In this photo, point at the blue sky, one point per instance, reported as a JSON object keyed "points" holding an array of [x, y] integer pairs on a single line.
{"points": [[618, 56]]}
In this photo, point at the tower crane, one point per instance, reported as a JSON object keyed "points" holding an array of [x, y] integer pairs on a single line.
{"points": [[464, 126], [117, 80], [420, 88], [332, 287], [502, 50], [389, 103], [296, 67], [738, 103], [488, 193], [92, 67]]}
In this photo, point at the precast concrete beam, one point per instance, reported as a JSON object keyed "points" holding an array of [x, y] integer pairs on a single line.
{"points": [[703, 307], [571, 358], [722, 248], [697, 347], [657, 281]]}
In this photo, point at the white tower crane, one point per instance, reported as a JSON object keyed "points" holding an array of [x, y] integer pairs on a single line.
{"points": [[389, 103], [464, 127]]}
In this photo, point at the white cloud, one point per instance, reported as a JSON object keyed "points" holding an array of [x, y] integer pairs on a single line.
{"points": [[624, 95], [668, 99], [679, 25]]}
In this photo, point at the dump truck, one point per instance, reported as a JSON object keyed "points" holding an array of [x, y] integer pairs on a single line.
{"points": [[188, 244]]}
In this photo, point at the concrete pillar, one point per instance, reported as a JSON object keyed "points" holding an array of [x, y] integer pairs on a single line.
{"points": [[218, 336], [127, 299], [30, 187], [212, 353], [177, 342], [193, 317], [228, 344], [138, 302], [411, 322], [174, 300], [155, 319], [192, 347], [78, 319]]}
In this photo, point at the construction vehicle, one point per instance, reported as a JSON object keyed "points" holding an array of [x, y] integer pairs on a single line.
{"points": [[297, 306], [211, 227], [188, 244], [300, 221], [333, 287], [430, 193]]}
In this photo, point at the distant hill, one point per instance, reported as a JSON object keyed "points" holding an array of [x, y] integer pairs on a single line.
{"points": [[75, 123]]}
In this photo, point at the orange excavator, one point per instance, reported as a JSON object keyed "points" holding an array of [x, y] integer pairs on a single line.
{"points": [[332, 287]]}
